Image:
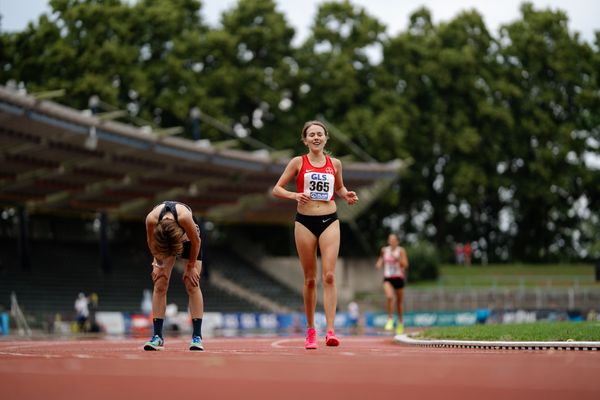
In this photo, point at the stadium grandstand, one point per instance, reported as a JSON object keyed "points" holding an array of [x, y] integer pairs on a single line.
{"points": [[75, 187]]}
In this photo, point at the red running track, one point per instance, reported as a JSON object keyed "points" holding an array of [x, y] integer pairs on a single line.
{"points": [[279, 368]]}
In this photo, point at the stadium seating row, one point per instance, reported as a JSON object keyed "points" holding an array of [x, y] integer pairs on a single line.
{"points": [[60, 270]]}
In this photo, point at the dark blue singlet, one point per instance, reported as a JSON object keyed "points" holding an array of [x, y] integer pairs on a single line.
{"points": [[171, 206]]}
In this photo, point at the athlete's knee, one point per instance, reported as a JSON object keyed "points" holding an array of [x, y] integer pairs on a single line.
{"points": [[310, 283], [161, 284], [190, 287], [329, 278], [191, 290]]}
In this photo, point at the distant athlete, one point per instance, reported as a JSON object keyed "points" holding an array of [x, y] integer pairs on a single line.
{"points": [[172, 232], [394, 261], [318, 177]]}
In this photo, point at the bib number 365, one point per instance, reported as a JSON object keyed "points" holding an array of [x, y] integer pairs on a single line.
{"points": [[319, 186]]}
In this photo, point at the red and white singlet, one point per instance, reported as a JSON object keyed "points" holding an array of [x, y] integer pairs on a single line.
{"points": [[318, 183], [391, 262]]}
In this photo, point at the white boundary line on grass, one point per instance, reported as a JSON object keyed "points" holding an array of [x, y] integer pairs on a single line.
{"points": [[479, 344]]}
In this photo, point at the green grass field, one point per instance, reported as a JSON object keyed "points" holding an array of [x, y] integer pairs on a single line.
{"points": [[540, 331], [513, 276]]}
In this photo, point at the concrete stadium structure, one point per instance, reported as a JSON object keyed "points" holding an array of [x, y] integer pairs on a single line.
{"points": [[57, 159], [59, 164]]}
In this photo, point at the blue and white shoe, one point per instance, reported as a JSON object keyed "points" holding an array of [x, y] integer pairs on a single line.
{"points": [[196, 344], [156, 343]]}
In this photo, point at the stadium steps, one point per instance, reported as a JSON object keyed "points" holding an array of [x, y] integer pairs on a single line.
{"points": [[241, 272], [59, 271]]}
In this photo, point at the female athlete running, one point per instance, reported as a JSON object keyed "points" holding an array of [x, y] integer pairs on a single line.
{"points": [[394, 262], [318, 177]]}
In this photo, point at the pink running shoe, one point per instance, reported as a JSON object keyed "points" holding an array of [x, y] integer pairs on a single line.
{"points": [[331, 339], [311, 339]]}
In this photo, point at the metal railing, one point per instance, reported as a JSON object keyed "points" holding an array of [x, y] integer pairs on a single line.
{"points": [[568, 298]]}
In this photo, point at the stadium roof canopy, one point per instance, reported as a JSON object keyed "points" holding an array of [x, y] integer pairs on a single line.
{"points": [[59, 160]]}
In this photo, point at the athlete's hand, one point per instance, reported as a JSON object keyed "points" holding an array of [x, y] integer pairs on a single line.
{"points": [[351, 197], [192, 274], [302, 198]]}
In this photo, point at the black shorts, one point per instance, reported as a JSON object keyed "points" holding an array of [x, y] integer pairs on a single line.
{"points": [[187, 246], [397, 283], [316, 223]]}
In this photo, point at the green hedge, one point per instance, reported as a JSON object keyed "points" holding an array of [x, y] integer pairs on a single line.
{"points": [[424, 262]]}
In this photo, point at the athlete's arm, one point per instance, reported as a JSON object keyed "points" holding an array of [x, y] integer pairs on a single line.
{"points": [[186, 221], [151, 222], [290, 172], [349, 196], [379, 262]]}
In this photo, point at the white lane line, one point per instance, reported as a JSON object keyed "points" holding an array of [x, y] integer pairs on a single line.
{"points": [[83, 356], [278, 343], [13, 354]]}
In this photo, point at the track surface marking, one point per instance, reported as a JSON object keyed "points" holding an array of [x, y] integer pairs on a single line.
{"points": [[280, 368]]}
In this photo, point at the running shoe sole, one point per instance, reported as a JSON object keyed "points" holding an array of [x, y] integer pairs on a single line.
{"points": [[332, 341], [150, 347]]}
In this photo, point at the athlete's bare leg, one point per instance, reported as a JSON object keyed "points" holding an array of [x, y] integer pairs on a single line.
{"points": [[306, 244], [196, 301], [389, 299], [399, 304], [329, 244], [161, 277]]}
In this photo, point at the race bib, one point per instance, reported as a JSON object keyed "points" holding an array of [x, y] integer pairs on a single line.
{"points": [[319, 186]]}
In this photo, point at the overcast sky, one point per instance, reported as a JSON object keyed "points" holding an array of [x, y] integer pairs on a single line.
{"points": [[583, 14]]}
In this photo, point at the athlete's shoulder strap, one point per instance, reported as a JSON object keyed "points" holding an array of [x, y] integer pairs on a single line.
{"points": [[329, 162], [170, 206]]}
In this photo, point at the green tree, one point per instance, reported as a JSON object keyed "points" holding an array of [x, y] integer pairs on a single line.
{"points": [[134, 57], [442, 79], [337, 76], [500, 131], [550, 98], [475, 110], [260, 75]]}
